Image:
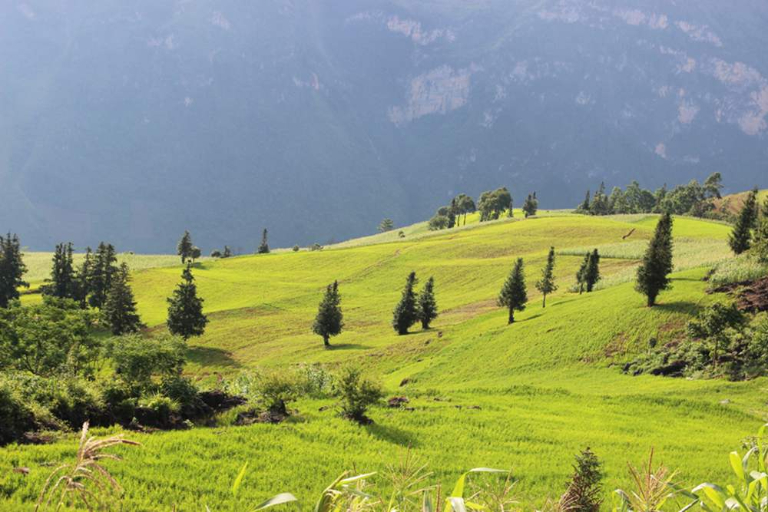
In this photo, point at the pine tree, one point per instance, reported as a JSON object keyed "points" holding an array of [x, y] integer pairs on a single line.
{"points": [[513, 294], [584, 206], [12, 269], [581, 274], [63, 281], [511, 211], [264, 247], [761, 235], [547, 283], [330, 319], [427, 304], [120, 308], [102, 271], [652, 276], [740, 238], [452, 211], [185, 308], [83, 279], [584, 493], [406, 312], [227, 252], [184, 247], [386, 225], [592, 274]]}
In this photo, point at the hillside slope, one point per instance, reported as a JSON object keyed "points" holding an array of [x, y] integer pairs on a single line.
{"points": [[524, 397]]}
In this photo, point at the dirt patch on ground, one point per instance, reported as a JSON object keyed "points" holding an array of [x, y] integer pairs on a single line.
{"points": [[754, 297], [751, 296]]}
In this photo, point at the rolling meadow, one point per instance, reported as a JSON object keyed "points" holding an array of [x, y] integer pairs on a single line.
{"points": [[525, 397]]}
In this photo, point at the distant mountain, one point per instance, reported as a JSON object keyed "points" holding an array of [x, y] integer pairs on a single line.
{"points": [[134, 120]]}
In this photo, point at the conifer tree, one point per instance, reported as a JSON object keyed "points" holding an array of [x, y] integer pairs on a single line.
{"points": [[184, 247], [581, 274], [185, 308], [584, 493], [740, 238], [427, 304], [120, 308], [547, 283], [452, 214], [761, 235], [407, 311], [330, 319], [62, 283], [12, 269], [592, 274], [652, 275], [386, 225], [584, 206], [511, 211], [513, 294], [227, 252], [102, 271], [83, 278], [264, 247]]}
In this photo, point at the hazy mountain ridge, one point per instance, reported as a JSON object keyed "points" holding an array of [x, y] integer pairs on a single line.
{"points": [[317, 119]]}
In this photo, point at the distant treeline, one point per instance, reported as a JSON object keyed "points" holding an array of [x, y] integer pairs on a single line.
{"points": [[692, 199], [491, 204]]}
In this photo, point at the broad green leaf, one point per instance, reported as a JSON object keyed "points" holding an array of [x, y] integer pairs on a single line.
{"points": [[736, 464], [458, 490], [280, 499], [239, 479]]}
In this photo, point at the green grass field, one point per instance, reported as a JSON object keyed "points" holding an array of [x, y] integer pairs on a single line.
{"points": [[525, 397]]}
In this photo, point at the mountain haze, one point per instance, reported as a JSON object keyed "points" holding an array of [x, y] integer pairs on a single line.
{"points": [[132, 121]]}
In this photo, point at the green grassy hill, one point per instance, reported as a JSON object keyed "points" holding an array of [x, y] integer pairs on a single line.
{"points": [[524, 397]]}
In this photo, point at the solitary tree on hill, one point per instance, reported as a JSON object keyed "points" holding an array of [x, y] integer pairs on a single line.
{"points": [[547, 283], [653, 273], [592, 275], [386, 225], [264, 247], [329, 320], [12, 269], [62, 283], [120, 309], [102, 271], [407, 311], [581, 274], [184, 247], [227, 252], [740, 238], [185, 308], [513, 295], [427, 304]]}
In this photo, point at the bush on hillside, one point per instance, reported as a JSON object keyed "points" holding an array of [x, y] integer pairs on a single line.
{"points": [[357, 394], [138, 359], [17, 417]]}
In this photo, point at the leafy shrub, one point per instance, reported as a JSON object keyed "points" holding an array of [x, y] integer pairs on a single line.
{"points": [[314, 381], [316, 247], [272, 390], [182, 391], [47, 338], [295, 248], [137, 359], [161, 409], [17, 417], [357, 394], [76, 401]]}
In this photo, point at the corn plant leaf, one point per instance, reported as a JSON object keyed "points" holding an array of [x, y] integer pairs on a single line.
{"points": [[458, 489], [713, 492], [456, 504], [280, 499], [352, 479], [239, 479]]}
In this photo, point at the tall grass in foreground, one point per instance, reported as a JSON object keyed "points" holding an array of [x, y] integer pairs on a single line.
{"points": [[654, 489]]}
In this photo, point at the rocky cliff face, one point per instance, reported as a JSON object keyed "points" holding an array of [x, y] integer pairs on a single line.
{"points": [[134, 122]]}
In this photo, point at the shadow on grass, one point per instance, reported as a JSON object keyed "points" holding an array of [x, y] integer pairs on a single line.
{"points": [[392, 435], [683, 306], [347, 346], [211, 356]]}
